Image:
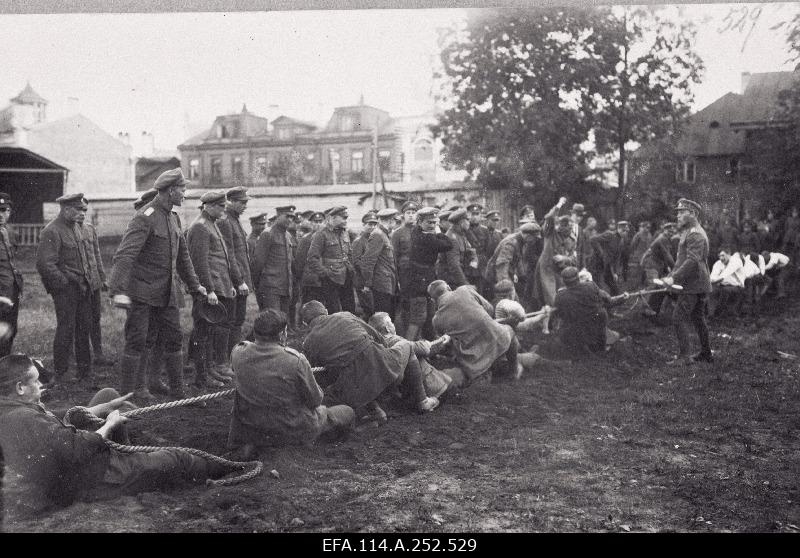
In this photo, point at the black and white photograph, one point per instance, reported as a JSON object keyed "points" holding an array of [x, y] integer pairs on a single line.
{"points": [[402, 275]]}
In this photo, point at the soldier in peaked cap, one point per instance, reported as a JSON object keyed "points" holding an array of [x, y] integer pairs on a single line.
{"points": [[494, 237], [257, 225], [308, 281], [10, 278], [452, 264], [330, 258], [401, 245], [144, 278], [444, 224], [365, 299], [478, 236], [66, 263], [377, 265], [217, 271], [236, 242], [691, 272], [273, 261], [609, 253]]}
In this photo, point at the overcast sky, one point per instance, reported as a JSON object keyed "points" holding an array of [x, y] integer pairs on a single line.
{"points": [[172, 73]]}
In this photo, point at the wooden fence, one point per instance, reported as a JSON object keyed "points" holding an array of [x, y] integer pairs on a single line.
{"points": [[26, 234]]}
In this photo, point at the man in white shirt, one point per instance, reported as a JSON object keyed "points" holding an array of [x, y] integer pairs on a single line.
{"points": [[776, 269], [727, 282], [754, 270]]}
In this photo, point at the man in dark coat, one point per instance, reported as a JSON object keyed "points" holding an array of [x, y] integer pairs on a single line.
{"points": [[478, 237], [66, 268], [656, 262], [99, 279], [377, 264], [330, 259], [507, 259], [144, 279], [559, 250], [10, 279], [608, 257], [365, 299], [401, 244], [310, 285], [452, 265], [691, 272], [257, 225], [273, 262]]}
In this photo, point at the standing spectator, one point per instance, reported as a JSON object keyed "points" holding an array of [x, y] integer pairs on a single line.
{"points": [[452, 265], [365, 299], [749, 240], [495, 236], [558, 252], [729, 233], [657, 261], [10, 279], [639, 245], [64, 266], [257, 225], [608, 257], [330, 258], [309, 282], [272, 263], [98, 273], [144, 279], [401, 244], [582, 246], [377, 265], [791, 228], [507, 259], [478, 237]]}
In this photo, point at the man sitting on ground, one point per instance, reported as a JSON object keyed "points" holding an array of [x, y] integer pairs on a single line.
{"points": [[727, 283], [364, 366], [478, 342], [50, 462], [776, 269], [277, 399], [581, 307]]}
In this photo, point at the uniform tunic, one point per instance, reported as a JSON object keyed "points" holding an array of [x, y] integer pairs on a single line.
{"points": [[10, 287], [210, 257], [272, 263], [453, 263], [377, 264], [425, 250]]}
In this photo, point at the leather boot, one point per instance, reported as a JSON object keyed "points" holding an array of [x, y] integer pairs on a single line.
{"points": [[234, 337], [128, 366], [173, 363], [141, 393], [154, 365]]}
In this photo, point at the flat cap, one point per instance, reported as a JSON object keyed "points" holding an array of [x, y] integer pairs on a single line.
{"points": [[570, 274], [530, 228], [336, 210], [169, 178], [213, 197], [687, 204], [239, 193], [493, 214], [387, 213], [316, 216], [426, 212], [284, 209], [369, 217], [457, 215], [473, 207], [72, 200], [260, 219], [410, 205], [145, 198], [5, 200], [578, 208]]}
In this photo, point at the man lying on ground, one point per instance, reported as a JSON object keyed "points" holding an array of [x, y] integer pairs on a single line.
{"points": [[365, 367], [478, 342], [52, 462], [277, 400]]}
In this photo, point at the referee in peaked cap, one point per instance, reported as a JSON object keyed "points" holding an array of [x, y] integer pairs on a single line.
{"points": [[170, 178], [238, 193], [336, 210], [410, 205], [73, 200], [145, 198]]}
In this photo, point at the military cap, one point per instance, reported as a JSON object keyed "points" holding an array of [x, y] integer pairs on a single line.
{"points": [[5, 200], [272, 219], [493, 214], [623, 223], [336, 210], [169, 178], [427, 212], [212, 313], [668, 224], [578, 208], [213, 197], [689, 205], [145, 198], [526, 208], [570, 274], [409, 205], [457, 215], [473, 207], [443, 214], [72, 200], [530, 228], [306, 214], [260, 219], [369, 217], [316, 216], [387, 213], [285, 209], [239, 193]]}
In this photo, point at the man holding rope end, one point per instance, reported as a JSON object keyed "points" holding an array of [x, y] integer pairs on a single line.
{"points": [[52, 462], [691, 272]]}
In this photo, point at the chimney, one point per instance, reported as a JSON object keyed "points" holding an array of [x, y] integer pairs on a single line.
{"points": [[745, 80], [124, 138], [148, 144]]}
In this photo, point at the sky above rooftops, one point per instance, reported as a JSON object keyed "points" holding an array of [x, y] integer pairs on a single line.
{"points": [[171, 74]]}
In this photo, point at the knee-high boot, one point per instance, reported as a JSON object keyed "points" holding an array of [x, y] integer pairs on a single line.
{"points": [[128, 369], [173, 363]]}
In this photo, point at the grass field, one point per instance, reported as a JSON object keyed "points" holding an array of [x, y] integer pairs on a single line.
{"points": [[620, 442]]}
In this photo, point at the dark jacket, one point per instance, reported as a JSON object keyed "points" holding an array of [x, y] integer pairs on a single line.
{"points": [[401, 244], [151, 256], [425, 250], [453, 263], [9, 275], [55, 462], [359, 246], [330, 254], [66, 255], [377, 263], [210, 256], [582, 309], [302, 273], [691, 265], [658, 255], [273, 262], [505, 261], [97, 270], [478, 237], [236, 240]]}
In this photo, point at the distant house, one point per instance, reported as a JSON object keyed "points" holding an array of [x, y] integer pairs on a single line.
{"points": [[149, 168], [713, 156], [30, 180]]}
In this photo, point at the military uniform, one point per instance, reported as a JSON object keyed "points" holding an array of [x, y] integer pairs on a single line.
{"points": [[453, 263], [309, 281], [478, 237], [607, 258], [146, 266], [277, 399], [329, 257], [10, 283], [378, 271], [65, 261], [505, 261], [236, 241], [99, 279], [272, 269], [425, 250]]}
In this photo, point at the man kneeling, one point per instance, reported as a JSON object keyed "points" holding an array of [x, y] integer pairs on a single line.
{"points": [[358, 356], [278, 401], [51, 463]]}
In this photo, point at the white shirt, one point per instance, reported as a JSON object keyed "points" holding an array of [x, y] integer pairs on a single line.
{"points": [[751, 269], [730, 274], [776, 259]]}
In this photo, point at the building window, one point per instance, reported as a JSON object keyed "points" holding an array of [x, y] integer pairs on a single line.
{"points": [[346, 123], [216, 170], [384, 159], [685, 172], [357, 161], [194, 169], [261, 166], [237, 168]]}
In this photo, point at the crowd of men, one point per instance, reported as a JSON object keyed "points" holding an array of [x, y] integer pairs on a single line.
{"points": [[379, 308]]}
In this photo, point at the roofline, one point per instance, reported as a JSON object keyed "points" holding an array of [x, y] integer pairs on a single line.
{"points": [[35, 155]]}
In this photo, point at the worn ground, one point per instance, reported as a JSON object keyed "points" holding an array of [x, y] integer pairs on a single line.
{"points": [[617, 443]]}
